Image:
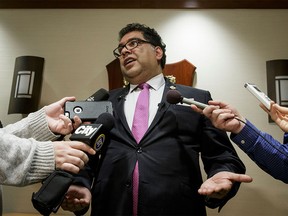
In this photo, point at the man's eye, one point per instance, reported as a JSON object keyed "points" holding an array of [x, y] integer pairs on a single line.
{"points": [[132, 43], [120, 49]]}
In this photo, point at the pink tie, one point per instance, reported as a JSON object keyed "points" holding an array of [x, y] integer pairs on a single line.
{"points": [[139, 127]]}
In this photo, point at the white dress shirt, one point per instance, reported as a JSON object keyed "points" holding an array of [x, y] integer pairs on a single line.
{"points": [[157, 84]]}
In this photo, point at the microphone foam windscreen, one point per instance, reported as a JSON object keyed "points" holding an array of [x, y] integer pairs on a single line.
{"points": [[100, 95], [173, 97], [107, 120]]}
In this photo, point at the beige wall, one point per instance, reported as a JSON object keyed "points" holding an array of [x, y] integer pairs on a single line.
{"points": [[229, 48]]}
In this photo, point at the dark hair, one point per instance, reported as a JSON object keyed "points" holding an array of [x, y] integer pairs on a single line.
{"points": [[149, 34]]}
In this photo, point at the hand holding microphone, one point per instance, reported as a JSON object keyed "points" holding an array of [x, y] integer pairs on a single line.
{"points": [[50, 196], [94, 134], [93, 108], [222, 115]]}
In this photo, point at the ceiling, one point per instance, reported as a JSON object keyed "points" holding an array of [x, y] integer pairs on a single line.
{"points": [[143, 4]]}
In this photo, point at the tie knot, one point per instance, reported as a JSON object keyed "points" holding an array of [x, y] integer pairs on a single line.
{"points": [[144, 86]]}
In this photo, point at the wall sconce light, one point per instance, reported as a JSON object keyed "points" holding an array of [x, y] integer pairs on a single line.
{"points": [[277, 81], [26, 84]]}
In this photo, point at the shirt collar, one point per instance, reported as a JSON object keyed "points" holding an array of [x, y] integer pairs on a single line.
{"points": [[155, 82]]}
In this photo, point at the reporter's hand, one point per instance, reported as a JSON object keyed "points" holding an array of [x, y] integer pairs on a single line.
{"points": [[70, 155], [223, 116], [57, 121], [77, 198], [278, 114]]}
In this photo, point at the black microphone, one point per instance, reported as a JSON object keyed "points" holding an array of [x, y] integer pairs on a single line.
{"points": [[52, 192], [174, 97], [94, 134], [100, 95]]}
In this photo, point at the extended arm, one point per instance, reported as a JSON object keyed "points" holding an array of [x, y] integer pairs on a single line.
{"points": [[24, 160]]}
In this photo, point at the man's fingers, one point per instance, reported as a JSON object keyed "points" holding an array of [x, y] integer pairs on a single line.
{"points": [[71, 156], [82, 146], [67, 123], [240, 178], [65, 99], [69, 167], [77, 121]]}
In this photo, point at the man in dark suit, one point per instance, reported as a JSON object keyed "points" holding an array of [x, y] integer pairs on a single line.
{"points": [[167, 156]]}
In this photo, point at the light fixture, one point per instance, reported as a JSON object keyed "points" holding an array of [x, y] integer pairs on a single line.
{"points": [[26, 84]]}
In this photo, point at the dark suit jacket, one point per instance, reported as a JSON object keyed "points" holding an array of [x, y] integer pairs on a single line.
{"points": [[168, 157]]}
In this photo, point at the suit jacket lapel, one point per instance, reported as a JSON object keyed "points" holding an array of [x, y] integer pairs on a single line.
{"points": [[162, 106], [119, 108]]}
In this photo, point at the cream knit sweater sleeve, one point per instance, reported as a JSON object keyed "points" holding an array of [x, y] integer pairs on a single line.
{"points": [[26, 154]]}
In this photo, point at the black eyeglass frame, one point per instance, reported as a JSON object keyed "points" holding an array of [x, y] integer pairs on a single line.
{"points": [[118, 50]]}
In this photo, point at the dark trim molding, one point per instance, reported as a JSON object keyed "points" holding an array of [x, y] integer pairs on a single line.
{"points": [[143, 4]]}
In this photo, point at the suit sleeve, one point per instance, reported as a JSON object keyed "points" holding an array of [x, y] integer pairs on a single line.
{"points": [[218, 154]]}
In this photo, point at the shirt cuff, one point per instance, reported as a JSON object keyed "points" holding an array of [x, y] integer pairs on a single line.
{"points": [[247, 137]]}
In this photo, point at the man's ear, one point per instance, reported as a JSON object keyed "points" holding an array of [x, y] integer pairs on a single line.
{"points": [[159, 53]]}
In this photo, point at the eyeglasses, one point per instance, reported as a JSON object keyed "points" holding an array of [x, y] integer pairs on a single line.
{"points": [[132, 44]]}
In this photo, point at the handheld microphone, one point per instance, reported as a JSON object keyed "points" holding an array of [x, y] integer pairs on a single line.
{"points": [[52, 192], [174, 97], [100, 95], [94, 134]]}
